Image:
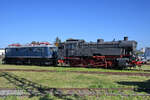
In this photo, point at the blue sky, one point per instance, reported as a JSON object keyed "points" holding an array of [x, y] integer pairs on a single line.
{"points": [[22, 21]]}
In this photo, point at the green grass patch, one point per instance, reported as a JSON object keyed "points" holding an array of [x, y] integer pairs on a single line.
{"points": [[73, 80], [145, 67]]}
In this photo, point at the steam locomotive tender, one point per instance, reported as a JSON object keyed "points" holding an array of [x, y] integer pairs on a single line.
{"points": [[114, 54]]}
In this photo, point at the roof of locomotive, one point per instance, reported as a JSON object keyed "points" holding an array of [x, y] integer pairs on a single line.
{"points": [[30, 46], [103, 42]]}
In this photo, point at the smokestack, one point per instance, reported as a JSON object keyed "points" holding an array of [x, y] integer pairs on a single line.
{"points": [[125, 38]]}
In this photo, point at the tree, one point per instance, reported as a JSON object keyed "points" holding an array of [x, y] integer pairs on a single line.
{"points": [[57, 41], [35, 43]]}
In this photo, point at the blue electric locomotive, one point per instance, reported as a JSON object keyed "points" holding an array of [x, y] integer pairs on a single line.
{"points": [[31, 54]]}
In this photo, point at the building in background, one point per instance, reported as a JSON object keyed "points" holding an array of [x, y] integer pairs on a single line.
{"points": [[142, 50], [147, 53], [2, 51]]}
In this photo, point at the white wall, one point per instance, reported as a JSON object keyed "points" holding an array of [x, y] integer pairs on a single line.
{"points": [[2, 51]]}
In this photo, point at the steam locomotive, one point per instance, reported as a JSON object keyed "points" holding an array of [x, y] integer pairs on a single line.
{"points": [[76, 53]]}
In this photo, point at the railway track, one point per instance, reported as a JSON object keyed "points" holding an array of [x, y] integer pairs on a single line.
{"points": [[147, 64], [73, 91], [85, 72]]}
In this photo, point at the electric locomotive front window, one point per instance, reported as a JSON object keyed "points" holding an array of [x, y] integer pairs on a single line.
{"points": [[52, 49], [8, 50]]}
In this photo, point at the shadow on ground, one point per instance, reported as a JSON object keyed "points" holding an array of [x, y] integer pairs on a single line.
{"points": [[34, 89], [141, 86]]}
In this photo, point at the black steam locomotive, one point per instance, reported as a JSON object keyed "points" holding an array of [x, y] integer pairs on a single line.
{"points": [[118, 54], [75, 52]]}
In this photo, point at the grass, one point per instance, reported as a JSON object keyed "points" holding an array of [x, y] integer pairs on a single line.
{"points": [[145, 67], [5, 83], [74, 80]]}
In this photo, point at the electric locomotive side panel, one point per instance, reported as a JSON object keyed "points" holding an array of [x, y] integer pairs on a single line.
{"points": [[37, 55]]}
